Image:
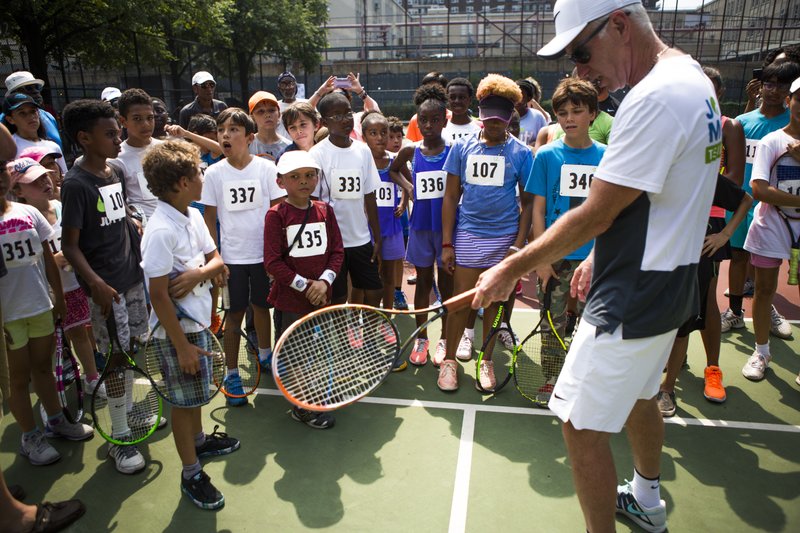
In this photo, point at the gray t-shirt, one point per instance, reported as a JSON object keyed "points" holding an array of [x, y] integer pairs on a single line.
{"points": [[270, 151]]}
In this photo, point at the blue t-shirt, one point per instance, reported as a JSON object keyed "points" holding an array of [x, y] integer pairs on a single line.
{"points": [[545, 181], [427, 213], [489, 180], [756, 126], [387, 198]]}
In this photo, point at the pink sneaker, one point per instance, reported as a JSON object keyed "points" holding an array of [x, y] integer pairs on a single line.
{"points": [[419, 355], [487, 379], [440, 353], [448, 376]]}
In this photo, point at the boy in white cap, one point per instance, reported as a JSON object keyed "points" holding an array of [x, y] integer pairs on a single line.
{"points": [[203, 87]]}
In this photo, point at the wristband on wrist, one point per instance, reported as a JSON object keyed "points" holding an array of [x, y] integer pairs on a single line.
{"points": [[448, 245], [513, 248], [362, 94]]}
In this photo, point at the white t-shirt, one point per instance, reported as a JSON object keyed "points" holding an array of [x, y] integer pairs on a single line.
{"points": [[768, 235], [24, 290], [42, 143], [69, 282], [283, 106], [454, 132], [347, 175], [129, 161], [174, 242], [242, 198]]}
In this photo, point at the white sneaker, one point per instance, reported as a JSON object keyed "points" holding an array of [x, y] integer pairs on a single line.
{"points": [[486, 377], [440, 353], [66, 430], [90, 387], [464, 350], [755, 367], [508, 339], [128, 459], [38, 450], [652, 519], [779, 326], [731, 320], [142, 421]]}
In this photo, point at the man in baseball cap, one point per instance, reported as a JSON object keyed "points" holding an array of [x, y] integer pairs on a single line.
{"points": [[111, 95], [23, 82], [203, 87], [660, 167]]}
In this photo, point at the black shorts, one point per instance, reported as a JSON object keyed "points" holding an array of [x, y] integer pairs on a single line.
{"points": [[284, 319], [363, 272], [707, 270], [248, 284], [716, 225]]}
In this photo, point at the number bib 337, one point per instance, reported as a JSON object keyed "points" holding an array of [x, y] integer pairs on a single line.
{"points": [[113, 202], [576, 179], [346, 184], [241, 195], [313, 241], [430, 185], [486, 170]]}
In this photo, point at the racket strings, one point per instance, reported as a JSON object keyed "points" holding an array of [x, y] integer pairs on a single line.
{"points": [[538, 365], [132, 409], [336, 357]]}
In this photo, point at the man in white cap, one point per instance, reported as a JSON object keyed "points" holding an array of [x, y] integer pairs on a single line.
{"points": [[648, 207], [111, 95], [24, 82], [203, 86]]}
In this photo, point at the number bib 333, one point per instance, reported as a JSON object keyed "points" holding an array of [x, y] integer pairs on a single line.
{"points": [[346, 184], [486, 170], [241, 195], [576, 179], [113, 202], [313, 241]]}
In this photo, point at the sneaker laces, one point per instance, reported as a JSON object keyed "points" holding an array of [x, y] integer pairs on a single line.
{"points": [[776, 317], [127, 452], [714, 378], [217, 435], [447, 369], [487, 370], [418, 345], [465, 344]]}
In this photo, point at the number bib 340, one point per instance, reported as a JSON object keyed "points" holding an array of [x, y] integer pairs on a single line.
{"points": [[486, 170], [112, 199], [346, 184], [576, 179], [241, 195], [430, 185], [313, 241]]}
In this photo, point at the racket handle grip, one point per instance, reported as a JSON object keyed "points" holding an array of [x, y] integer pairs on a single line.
{"points": [[226, 297], [794, 256]]}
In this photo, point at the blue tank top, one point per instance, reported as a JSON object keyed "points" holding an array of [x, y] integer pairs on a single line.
{"points": [[390, 224], [427, 214]]}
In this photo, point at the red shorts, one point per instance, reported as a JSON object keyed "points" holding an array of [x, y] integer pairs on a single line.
{"points": [[77, 309]]}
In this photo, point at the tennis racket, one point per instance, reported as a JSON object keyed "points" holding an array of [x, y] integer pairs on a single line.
{"points": [[132, 410], [336, 355], [171, 383], [539, 358], [68, 378], [493, 351], [785, 175], [239, 353]]}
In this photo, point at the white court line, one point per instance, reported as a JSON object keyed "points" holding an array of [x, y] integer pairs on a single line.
{"points": [[426, 404], [458, 507]]}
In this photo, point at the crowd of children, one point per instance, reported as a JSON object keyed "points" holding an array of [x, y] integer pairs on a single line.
{"points": [[294, 224]]}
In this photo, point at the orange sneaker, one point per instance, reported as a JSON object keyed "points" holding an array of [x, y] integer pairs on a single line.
{"points": [[419, 355], [216, 323], [714, 391]]}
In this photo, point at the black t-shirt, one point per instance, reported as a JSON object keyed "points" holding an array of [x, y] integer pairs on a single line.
{"points": [[108, 239], [194, 108]]}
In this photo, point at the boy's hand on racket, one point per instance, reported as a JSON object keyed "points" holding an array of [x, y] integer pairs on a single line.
{"points": [[189, 358], [494, 285], [221, 279], [714, 242], [317, 293], [581, 280], [104, 295], [183, 283], [544, 275]]}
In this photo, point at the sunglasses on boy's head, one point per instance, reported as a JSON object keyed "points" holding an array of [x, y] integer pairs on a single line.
{"points": [[580, 54], [29, 89]]}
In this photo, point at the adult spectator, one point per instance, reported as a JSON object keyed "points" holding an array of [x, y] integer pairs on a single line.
{"points": [[24, 82], [111, 95], [612, 372], [287, 87], [203, 86]]}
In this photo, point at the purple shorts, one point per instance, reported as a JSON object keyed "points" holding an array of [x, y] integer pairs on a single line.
{"points": [[424, 247], [393, 247], [762, 261], [481, 252]]}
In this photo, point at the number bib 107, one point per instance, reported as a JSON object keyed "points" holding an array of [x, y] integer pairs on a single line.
{"points": [[430, 185], [313, 241], [486, 170], [242, 195], [346, 184], [576, 179], [385, 194], [113, 202], [750, 150], [21, 248]]}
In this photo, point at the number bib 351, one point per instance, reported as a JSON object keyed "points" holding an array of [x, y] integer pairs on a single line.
{"points": [[486, 170], [20, 248], [113, 202], [346, 184], [576, 179], [241, 195], [313, 241], [430, 185]]}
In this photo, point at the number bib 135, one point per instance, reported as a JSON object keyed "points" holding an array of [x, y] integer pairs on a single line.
{"points": [[346, 184], [385, 194], [241, 195], [430, 185], [21, 248], [313, 241], [486, 170], [113, 202], [576, 179]]}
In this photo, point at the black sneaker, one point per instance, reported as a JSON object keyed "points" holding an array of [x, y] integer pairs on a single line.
{"points": [[312, 419], [202, 493], [217, 443]]}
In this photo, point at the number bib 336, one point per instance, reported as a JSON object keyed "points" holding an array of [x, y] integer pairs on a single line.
{"points": [[430, 185], [313, 241], [576, 179], [486, 170], [113, 202], [346, 184], [241, 195]]}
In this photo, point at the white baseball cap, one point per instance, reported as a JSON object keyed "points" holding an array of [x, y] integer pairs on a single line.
{"points": [[18, 79], [794, 86], [571, 17], [201, 77], [291, 161], [110, 93]]}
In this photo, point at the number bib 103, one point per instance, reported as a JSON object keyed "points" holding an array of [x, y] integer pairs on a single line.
{"points": [[113, 201], [576, 180], [346, 184], [486, 170], [21, 248], [430, 185], [242, 195], [385, 194], [313, 241], [750, 150]]}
